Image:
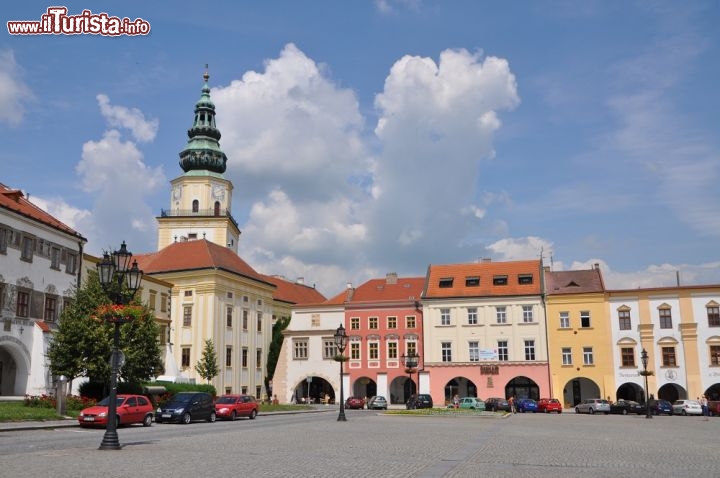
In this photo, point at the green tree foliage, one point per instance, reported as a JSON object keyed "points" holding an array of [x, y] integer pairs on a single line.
{"points": [[82, 345], [207, 367], [275, 347]]}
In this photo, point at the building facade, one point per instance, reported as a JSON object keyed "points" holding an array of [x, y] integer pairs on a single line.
{"points": [[581, 359], [40, 268], [485, 331]]}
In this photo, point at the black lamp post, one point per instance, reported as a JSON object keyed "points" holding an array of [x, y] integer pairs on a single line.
{"points": [[120, 282], [341, 343], [410, 361], [644, 358]]}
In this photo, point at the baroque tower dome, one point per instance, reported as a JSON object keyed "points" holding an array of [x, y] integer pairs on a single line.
{"points": [[203, 152]]}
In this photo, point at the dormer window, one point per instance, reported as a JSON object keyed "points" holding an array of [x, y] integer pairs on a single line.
{"points": [[445, 282], [525, 279], [500, 280], [473, 281]]}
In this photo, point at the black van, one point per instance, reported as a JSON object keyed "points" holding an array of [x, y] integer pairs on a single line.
{"points": [[184, 407]]}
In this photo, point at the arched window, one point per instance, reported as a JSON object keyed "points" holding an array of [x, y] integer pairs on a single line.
{"points": [[217, 208], [196, 205]]}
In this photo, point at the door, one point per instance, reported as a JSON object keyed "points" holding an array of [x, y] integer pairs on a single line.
{"points": [[577, 397]]}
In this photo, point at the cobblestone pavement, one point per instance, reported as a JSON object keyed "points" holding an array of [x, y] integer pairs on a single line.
{"points": [[374, 444]]}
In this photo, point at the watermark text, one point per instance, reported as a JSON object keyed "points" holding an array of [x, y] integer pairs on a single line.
{"points": [[57, 22]]}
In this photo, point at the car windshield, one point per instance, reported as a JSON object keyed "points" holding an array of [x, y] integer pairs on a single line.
{"points": [[105, 401], [226, 400]]}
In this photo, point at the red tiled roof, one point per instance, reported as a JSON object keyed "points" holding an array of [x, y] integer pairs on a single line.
{"points": [[42, 325], [293, 292], [397, 289], [457, 275], [574, 282], [14, 200], [196, 255]]}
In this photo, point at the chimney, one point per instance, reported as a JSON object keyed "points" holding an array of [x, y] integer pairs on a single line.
{"points": [[391, 278], [349, 285], [546, 268], [485, 260], [596, 266], [300, 280]]}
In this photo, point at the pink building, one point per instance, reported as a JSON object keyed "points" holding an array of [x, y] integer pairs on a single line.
{"points": [[384, 322]]}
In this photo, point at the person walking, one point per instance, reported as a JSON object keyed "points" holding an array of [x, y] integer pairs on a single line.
{"points": [[511, 401], [704, 406]]}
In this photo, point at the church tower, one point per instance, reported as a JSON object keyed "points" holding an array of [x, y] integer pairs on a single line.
{"points": [[201, 198]]}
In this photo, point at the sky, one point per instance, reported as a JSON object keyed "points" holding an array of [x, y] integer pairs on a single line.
{"points": [[368, 137]]}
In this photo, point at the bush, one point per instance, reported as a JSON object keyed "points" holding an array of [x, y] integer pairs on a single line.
{"points": [[73, 402], [173, 388]]}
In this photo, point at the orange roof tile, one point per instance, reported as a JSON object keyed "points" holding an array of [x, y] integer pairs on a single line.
{"points": [[397, 289], [574, 282], [196, 255], [14, 200], [42, 325], [293, 292], [457, 279]]}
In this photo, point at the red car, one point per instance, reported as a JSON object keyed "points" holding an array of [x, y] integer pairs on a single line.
{"points": [[547, 405], [129, 409], [355, 402], [229, 407]]}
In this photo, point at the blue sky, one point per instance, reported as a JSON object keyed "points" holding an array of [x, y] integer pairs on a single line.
{"points": [[368, 137]]}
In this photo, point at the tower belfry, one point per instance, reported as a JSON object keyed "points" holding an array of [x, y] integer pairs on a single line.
{"points": [[201, 198]]}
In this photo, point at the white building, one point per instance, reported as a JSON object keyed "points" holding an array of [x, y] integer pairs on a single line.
{"points": [[40, 264]]}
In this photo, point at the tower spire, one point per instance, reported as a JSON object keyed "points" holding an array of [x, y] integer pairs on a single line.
{"points": [[202, 152]]}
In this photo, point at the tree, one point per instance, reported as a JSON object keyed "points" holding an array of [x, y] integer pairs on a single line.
{"points": [[275, 348], [82, 345], [207, 367]]}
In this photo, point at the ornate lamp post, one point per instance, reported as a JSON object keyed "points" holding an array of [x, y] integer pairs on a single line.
{"points": [[120, 283], [410, 361], [645, 373], [341, 343]]}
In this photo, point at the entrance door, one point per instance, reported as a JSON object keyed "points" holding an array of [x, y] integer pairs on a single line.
{"points": [[577, 397]]}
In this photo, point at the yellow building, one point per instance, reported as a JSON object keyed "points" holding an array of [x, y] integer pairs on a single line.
{"points": [[579, 336]]}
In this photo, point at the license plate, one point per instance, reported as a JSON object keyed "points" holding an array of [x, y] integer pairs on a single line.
{"points": [[166, 415], [89, 419]]}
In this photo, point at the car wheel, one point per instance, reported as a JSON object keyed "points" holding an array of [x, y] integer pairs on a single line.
{"points": [[147, 421], [684, 413], [212, 417], [592, 411], [547, 411], [186, 418], [253, 414], [233, 415], [577, 410], [624, 412]]}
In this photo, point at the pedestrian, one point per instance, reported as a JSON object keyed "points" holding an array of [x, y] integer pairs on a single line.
{"points": [[704, 406], [511, 402], [456, 401]]}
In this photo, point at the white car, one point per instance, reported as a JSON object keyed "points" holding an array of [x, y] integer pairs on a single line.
{"points": [[592, 405], [686, 407]]}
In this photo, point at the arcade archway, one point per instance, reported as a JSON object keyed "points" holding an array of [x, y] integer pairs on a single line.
{"points": [[578, 389], [672, 392], [401, 388], [364, 387], [713, 392], [14, 366], [460, 386], [313, 390], [630, 391], [522, 387]]}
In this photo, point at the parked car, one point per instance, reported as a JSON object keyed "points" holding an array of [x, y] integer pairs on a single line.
{"points": [[377, 403], [687, 407], [184, 407], [128, 409], [494, 404], [472, 403], [230, 407], [714, 408], [658, 407], [420, 400], [355, 403], [547, 405], [592, 405], [525, 405], [623, 407]]}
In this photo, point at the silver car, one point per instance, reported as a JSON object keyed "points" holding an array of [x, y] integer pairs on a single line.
{"points": [[592, 405], [687, 407], [377, 403]]}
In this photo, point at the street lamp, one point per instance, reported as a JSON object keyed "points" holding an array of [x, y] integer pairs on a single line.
{"points": [[645, 373], [120, 283], [410, 361], [341, 343]]}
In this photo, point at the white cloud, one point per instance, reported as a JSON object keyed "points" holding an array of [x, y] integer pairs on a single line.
{"points": [[521, 249], [63, 212], [114, 172], [130, 118], [662, 275], [14, 93]]}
